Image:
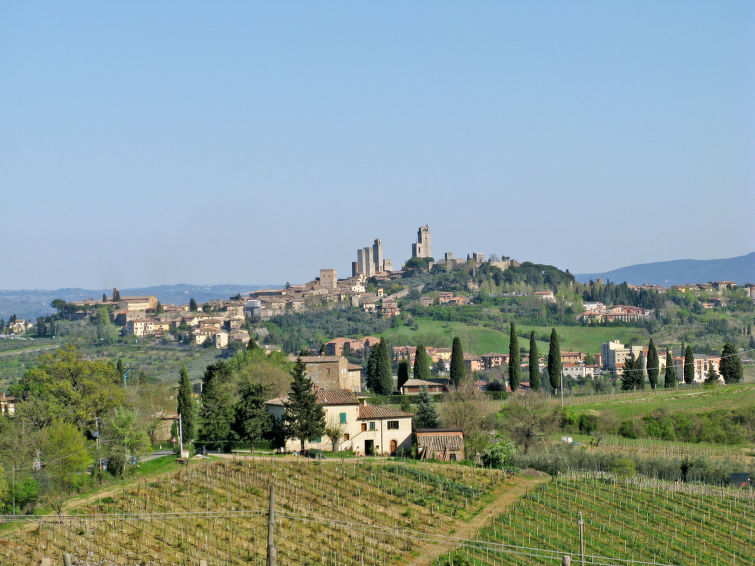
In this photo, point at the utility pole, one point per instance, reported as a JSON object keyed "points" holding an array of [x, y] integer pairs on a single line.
{"points": [[581, 524], [13, 483], [180, 437], [562, 389], [272, 551]]}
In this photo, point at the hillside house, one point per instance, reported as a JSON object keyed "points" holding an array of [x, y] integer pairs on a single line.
{"points": [[440, 444], [414, 386], [332, 372], [367, 429]]}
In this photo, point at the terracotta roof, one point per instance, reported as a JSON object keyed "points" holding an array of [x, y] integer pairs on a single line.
{"points": [[421, 382], [336, 397], [324, 397], [379, 412]]}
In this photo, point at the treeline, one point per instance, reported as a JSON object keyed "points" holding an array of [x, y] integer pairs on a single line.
{"points": [[71, 413], [296, 332], [621, 294]]}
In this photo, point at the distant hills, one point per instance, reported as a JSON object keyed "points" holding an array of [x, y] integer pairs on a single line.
{"points": [[31, 303], [738, 269]]}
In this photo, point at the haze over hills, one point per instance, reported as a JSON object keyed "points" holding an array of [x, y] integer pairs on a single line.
{"points": [[739, 269], [31, 303]]}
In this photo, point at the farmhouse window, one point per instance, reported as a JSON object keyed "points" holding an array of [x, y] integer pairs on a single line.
{"points": [[346, 436], [372, 425], [393, 425], [343, 418], [364, 427]]}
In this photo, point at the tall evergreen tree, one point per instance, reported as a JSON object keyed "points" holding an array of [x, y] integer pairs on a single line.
{"points": [[712, 375], [425, 417], [304, 417], [116, 295], [653, 365], [534, 364], [730, 365], [216, 415], [421, 363], [515, 359], [689, 365], [384, 369], [187, 408], [640, 366], [554, 361], [193, 305], [252, 345], [403, 373], [669, 377], [458, 370], [252, 420], [104, 298], [372, 368]]}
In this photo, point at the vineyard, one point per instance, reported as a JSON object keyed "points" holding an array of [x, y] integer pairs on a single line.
{"points": [[326, 513], [646, 521]]}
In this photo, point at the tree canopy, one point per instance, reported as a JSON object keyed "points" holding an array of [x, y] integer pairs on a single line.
{"points": [[304, 418], [730, 365], [534, 365], [653, 365], [514, 359], [554, 361]]}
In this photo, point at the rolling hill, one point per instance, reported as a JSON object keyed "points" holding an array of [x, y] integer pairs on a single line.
{"points": [[740, 269]]}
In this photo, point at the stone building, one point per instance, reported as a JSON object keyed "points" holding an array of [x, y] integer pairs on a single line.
{"points": [[422, 247], [440, 444]]}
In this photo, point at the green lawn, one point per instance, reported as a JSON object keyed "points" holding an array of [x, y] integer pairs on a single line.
{"points": [[481, 340]]}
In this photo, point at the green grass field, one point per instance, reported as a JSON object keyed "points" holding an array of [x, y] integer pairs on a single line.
{"points": [[696, 399], [481, 340]]}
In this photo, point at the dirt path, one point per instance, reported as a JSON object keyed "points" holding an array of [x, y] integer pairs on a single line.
{"points": [[506, 495]]}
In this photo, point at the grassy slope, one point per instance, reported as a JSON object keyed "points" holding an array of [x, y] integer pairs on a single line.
{"points": [[480, 340], [678, 400]]}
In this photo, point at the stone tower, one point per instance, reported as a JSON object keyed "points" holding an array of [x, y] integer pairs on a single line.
{"points": [[377, 255], [422, 247]]}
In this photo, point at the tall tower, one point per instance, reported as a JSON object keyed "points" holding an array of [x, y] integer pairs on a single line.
{"points": [[377, 255], [422, 248]]}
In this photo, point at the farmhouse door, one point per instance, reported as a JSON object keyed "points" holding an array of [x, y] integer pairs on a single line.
{"points": [[394, 445]]}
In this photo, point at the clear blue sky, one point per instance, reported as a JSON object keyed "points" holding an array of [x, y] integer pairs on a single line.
{"points": [[163, 142]]}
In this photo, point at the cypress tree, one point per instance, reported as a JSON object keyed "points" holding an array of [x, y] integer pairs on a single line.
{"points": [[425, 417], [104, 298], [192, 305], [689, 365], [384, 369], [421, 363], [730, 365], [639, 367], [458, 371], [403, 373], [186, 406], [653, 365], [217, 409], [252, 420], [534, 364], [554, 361], [669, 378], [712, 376], [304, 417], [515, 369], [372, 368]]}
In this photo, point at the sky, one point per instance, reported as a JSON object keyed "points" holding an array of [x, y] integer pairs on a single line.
{"points": [[148, 143]]}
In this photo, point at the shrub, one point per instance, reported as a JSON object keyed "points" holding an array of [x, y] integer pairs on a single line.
{"points": [[500, 453], [588, 423], [627, 429], [623, 467]]}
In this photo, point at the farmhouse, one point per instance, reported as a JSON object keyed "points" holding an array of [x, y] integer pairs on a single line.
{"points": [[440, 444], [365, 429]]}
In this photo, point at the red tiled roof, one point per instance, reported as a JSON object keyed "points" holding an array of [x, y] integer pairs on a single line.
{"points": [[336, 397], [378, 412]]}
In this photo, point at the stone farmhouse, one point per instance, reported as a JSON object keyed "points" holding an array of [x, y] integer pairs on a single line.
{"points": [[366, 429], [332, 372]]}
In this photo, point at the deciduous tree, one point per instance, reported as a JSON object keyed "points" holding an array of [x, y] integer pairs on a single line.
{"points": [[216, 416]]}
